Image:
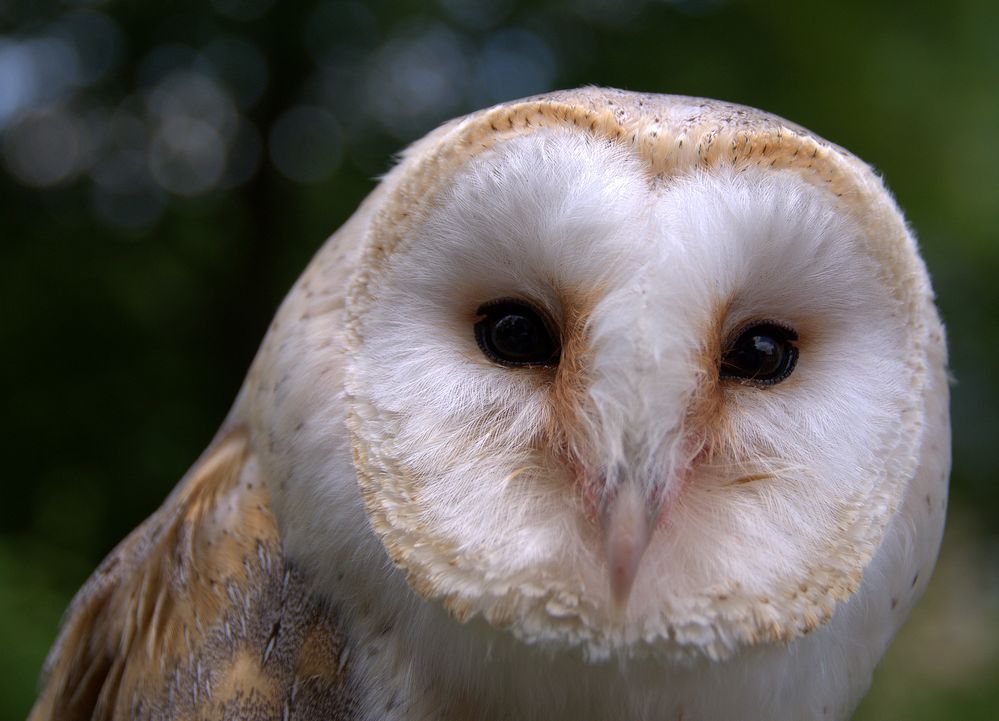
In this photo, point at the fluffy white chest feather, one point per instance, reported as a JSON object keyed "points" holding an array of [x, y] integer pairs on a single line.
{"points": [[608, 405]]}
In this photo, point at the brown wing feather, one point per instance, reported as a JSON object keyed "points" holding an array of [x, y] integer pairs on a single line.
{"points": [[197, 615]]}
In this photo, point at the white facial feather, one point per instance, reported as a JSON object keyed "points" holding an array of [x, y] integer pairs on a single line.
{"points": [[775, 556], [666, 273]]}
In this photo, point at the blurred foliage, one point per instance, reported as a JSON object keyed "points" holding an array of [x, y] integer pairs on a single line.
{"points": [[167, 170]]}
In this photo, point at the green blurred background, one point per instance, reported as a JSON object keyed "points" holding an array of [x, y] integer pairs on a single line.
{"points": [[167, 169]]}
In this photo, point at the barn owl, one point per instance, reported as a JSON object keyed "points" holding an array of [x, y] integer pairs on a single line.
{"points": [[602, 406]]}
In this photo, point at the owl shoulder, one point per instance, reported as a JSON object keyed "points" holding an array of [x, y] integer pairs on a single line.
{"points": [[197, 614]]}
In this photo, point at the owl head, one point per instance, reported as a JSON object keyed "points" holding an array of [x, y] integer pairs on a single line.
{"points": [[619, 373]]}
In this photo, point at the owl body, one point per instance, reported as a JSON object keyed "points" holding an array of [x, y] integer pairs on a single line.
{"points": [[415, 512]]}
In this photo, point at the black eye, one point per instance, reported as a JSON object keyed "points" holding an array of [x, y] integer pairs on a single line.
{"points": [[762, 354], [512, 333]]}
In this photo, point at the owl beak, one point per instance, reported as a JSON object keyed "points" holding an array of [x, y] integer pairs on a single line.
{"points": [[627, 527]]}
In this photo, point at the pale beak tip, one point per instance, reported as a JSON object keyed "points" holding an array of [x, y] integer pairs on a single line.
{"points": [[627, 531]]}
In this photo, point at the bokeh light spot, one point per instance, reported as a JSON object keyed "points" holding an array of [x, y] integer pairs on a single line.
{"points": [[195, 95], [34, 72], [187, 155], [44, 148], [418, 78], [124, 143]]}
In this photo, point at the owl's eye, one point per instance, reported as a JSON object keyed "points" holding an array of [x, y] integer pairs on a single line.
{"points": [[513, 333], [763, 354]]}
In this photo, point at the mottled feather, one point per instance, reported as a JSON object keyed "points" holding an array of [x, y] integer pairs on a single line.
{"points": [[198, 615]]}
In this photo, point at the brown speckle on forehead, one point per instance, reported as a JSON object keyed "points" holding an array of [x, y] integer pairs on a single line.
{"points": [[673, 135]]}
